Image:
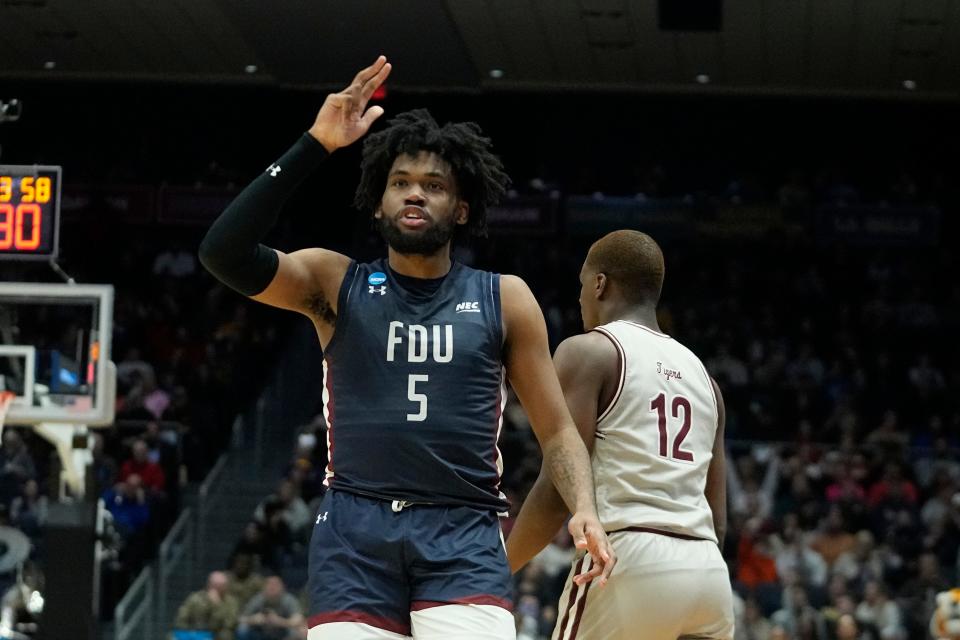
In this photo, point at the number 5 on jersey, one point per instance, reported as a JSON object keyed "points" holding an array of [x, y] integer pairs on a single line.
{"points": [[420, 398], [659, 404]]}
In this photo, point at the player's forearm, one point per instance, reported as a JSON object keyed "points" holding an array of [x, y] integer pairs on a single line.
{"points": [[231, 250], [542, 514], [566, 460]]}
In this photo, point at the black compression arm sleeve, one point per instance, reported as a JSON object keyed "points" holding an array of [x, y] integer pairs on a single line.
{"points": [[231, 250]]}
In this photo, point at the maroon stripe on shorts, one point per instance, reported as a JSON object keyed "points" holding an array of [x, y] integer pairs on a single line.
{"points": [[396, 626], [669, 534], [573, 596], [494, 601]]}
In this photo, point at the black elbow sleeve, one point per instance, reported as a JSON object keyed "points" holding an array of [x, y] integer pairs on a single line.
{"points": [[248, 272], [231, 250]]}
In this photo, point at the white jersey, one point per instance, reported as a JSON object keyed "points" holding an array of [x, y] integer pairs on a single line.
{"points": [[654, 442]]}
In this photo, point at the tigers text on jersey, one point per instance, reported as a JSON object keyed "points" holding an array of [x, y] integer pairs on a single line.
{"points": [[413, 387], [655, 441]]}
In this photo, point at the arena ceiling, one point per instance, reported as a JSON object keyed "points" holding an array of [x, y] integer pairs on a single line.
{"points": [[828, 47]]}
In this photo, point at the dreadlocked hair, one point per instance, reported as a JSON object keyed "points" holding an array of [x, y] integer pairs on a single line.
{"points": [[480, 178]]}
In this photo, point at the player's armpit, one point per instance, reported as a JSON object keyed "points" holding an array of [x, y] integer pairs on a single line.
{"points": [[715, 489], [307, 281]]}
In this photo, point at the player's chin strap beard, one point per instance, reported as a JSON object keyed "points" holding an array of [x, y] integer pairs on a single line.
{"points": [[428, 243]]}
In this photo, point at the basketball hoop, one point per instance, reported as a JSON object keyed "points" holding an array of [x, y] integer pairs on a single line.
{"points": [[6, 399]]}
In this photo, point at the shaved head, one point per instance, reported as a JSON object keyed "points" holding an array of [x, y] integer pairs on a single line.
{"points": [[632, 261]]}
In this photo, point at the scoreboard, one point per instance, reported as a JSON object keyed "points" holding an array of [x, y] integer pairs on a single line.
{"points": [[29, 211]]}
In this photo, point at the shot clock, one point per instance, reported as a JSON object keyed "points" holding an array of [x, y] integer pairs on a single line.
{"points": [[29, 211]]}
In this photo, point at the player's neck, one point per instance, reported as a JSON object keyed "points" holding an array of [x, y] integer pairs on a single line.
{"points": [[642, 315], [416, 265]]}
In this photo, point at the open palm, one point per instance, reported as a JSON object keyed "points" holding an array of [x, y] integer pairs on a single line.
{"points": [[344, 117]]}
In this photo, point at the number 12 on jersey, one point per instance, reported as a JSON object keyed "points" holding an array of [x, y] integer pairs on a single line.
{"points": [[659, 404]]}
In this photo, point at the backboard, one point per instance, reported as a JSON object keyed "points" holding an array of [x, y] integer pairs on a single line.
{"points": [[55, 353]]}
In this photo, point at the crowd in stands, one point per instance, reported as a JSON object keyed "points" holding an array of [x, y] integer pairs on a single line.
{"points": [[843, 429]]}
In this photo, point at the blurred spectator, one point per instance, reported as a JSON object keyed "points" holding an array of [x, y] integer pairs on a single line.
{"points": [[919, 595], [103, 468], [127, 502], [22, 605], [746, 495], [938, 463], [272, 614], [869, 561], [161, 445], [176, 262], [243, 581], [840, 600], [892, 488], [889, 435], [212, 609], [878, 611], [845, 489], [253, 542], [795, 561], [15, 460], [139, 463], [832, 540], [293, 510], [28, 511], [848, 629], [727, 369], [756, 569], [798, 618], [755, 626]]}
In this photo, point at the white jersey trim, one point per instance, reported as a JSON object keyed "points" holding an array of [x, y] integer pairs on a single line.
{"points": [[327, 396], [623, 372]]}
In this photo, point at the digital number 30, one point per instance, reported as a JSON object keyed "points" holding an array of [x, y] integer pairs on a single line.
{"points": [[14, 230]]}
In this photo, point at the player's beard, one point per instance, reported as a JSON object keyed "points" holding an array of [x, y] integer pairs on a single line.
{"points": [[426, 242]]}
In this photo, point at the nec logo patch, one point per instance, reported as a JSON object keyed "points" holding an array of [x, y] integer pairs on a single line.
{"points": [[468, 307]]}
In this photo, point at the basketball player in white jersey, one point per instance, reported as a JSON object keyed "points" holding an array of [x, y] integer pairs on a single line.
{"points": [[652, 419]]}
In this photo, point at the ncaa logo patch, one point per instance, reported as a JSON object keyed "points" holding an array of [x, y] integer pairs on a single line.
{"points": [[377, 278]]}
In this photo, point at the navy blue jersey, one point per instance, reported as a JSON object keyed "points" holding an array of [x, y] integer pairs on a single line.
{"points": [[413, 387]]}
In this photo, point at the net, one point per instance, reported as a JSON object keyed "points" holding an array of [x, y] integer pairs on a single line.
{"points": [[6, 398]]}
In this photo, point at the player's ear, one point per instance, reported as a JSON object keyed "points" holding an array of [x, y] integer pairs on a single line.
{"points": [[378, 213], [462, 212], [601, 285]]}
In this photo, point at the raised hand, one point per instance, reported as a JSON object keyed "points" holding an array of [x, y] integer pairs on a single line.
{"points": [[344, 117], [589, 534]]}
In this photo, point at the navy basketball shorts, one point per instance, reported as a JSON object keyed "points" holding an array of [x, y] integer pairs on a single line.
{"points": [[382, 570]]}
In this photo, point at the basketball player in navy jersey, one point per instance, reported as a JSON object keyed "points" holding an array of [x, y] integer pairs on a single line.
{"points": [[417, 349], [653, 420]]}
